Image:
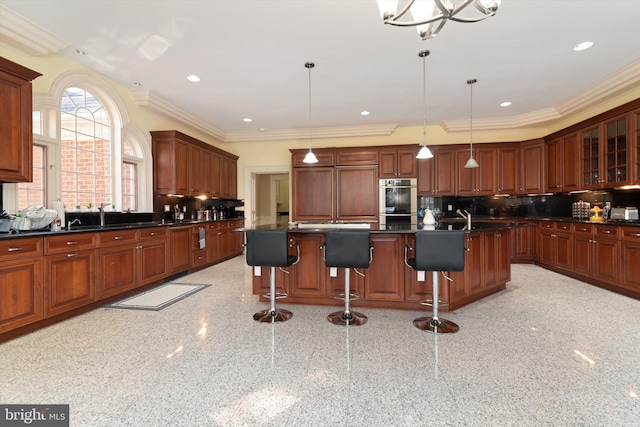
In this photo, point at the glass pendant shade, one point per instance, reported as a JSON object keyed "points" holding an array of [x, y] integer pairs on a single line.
{"points": [[424, 153], [310, 157], [471, 163]]}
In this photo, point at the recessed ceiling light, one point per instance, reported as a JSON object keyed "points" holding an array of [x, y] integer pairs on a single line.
{"points": [[364, 113], [137, 84], [193, 78], [80, 52], [247, 120], [582, 46], [505, 104]]}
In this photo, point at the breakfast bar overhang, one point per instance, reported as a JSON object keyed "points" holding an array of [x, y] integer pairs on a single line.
{"points": [[389, 282]]}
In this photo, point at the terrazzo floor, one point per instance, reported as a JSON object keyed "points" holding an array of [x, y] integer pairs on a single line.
{"points": [[548, 351]]}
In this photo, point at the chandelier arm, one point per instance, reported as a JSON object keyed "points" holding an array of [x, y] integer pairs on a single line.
{"points": [[392, 21], [399, 14], [429, 34], [444, 15], [469, 20], [486, 10]]}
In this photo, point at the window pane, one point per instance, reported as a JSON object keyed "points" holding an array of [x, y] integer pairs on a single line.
{"points": [[33, 193], [86, 150], [129, 186], [37, 122]]}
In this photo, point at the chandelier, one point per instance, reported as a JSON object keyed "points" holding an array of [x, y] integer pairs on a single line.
{"points": [[429, 16]]}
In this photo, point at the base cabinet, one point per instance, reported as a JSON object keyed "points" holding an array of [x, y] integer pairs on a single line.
{"points": [[70, 281], [180, 245], [20, 292]]}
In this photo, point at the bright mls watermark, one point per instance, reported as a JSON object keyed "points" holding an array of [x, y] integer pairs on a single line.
{"points": [[34, 415]]}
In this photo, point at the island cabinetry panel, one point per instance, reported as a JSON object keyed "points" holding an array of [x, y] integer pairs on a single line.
{"points": [[532, 167], [418, 290], [313, 194], [357, 193], [630, 274], [21, 298], [480, 180], [16, 129], [309, 276], [384, 279], [398, 162], [69, 272]]}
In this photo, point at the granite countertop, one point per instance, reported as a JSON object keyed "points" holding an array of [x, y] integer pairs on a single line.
{"points": [[403, 228], [108, 227]]}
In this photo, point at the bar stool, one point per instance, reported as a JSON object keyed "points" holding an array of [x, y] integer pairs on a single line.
{"points": [[437, 251], [270, 248], [347, 249]]}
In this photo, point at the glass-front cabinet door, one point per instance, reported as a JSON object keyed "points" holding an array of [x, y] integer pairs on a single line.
{"points": [[616, 155], [636, 178], [591, 158]]}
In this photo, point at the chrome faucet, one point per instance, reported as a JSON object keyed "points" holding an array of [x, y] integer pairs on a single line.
{"points": [[466, 215], [101, 210], [70, 223]]}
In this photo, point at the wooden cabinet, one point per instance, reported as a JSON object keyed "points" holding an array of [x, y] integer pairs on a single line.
{"points": [[357, 193], [480, 180], [384, 280], [444, 172], [152, 256], [630, 247], [532, 167], [356, 157], [186, 166], [607, 153], [180, 247], [596, 251], [469, 281], [16, 129], [69, 272], [313, 196], [426, 177], [635, 146], [214, 242], [116, 262], [398, 162], [198, 252], [555, 245], [507, 176], [591, 176], [523, 243], [562, 164], [21, 299], [308, 277]]}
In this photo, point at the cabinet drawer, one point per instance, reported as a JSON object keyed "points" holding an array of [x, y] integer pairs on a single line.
{"points": [[610, 231], [117, 237], [198, 258], [153, 233], [630, 233], [69, 242], [20, 248], [563, 226], [224, 224], [582, 228], [213, 226], [546, 224]]}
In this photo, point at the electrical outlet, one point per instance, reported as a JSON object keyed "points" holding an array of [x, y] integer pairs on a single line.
{"points": [[449, 208]]}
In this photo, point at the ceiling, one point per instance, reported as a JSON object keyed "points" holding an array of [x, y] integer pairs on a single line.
{"points": [[250, 56]]}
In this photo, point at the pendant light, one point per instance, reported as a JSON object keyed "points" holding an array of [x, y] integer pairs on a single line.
{"points": [[310, 157], [471, 163], [424, 152]]}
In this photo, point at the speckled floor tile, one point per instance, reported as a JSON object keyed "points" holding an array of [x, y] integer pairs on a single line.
{"points": [[548, 351]]}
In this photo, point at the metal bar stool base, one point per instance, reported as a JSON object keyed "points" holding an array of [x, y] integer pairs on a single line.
{"points": [[436, 326], [272, 316], [351, 318]]}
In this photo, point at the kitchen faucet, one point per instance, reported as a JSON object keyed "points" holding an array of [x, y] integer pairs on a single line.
{"points": [[70, 223], [101, 210], [467, 217]]}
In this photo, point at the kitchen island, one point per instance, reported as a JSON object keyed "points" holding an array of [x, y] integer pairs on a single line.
{"points": [[389, 282]]}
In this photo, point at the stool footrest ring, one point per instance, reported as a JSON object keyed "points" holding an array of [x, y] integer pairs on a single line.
{"points": [[279, 295], [429, 302], [352, 296]]}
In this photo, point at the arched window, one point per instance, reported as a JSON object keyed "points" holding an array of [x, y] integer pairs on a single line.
{"points": [[85, 150]]}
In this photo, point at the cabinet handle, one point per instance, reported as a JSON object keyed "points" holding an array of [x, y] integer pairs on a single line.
{"points": [[14, 249], [606, 231], [582, 229], [498, 235], [71, 243], [635, 234], [71, 255], [139, 247], [154, 234], [117, 237]]}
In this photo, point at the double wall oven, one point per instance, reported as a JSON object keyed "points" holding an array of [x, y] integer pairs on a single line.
{"points": [[398, 202]]}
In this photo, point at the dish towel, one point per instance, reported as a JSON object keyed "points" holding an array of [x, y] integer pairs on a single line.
{"points": [[201, 238]]}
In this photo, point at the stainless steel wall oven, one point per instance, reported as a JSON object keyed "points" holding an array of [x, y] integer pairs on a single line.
{"points": [[398, 201]]}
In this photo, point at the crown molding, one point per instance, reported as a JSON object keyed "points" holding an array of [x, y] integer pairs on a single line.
{"points": [[145, 98], [316, 133], [617, 83], [25, 37]]}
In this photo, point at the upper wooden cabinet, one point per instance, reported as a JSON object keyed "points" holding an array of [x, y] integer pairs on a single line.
{"points": [[507, 173], [184, 165], [480, 180], [532, 167], [562, 164], [398, 162], [356, 156], [325, 156], [313, 194], [635, 117], [362, 204], [16, 128]]}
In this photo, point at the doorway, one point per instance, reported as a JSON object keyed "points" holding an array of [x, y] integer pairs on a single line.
{"points": [[269, 193]]}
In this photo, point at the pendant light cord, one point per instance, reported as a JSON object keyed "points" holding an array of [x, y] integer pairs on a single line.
{"points": [[471, 82], [423, 54], [309, 66]]}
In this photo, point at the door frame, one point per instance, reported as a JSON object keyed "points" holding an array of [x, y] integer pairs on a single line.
{"points": [[250, 173]]}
